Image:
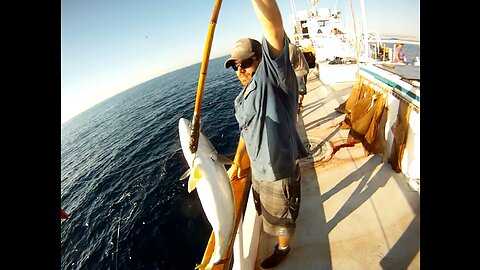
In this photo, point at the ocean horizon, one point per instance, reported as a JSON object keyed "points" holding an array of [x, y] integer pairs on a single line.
{"points": [[120, 167]]}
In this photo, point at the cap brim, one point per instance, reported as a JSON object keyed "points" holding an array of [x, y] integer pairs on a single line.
{"points": [[229, 62]]}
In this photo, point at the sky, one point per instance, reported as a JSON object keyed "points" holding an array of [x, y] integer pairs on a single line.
{"points": [[109, 46]]}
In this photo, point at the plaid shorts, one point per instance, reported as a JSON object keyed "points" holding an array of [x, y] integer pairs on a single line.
{"points": [[302, 88], [279, 203]]}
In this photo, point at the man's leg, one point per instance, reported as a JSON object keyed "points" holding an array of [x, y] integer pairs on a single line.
{"points": [[292, 194]]}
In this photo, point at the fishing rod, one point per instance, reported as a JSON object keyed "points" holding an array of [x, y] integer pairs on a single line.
{"points": [[194, 133]]}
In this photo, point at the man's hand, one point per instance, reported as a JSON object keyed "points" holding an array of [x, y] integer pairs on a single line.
{"points": [[234, 172]]}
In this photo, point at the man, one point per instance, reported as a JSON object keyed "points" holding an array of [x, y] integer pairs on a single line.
{"points": [[266, 111], [301, 68], [398, 54]]}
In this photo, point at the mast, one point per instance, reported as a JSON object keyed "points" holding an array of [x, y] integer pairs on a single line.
{"points": [[294, 9], [364, 27]]}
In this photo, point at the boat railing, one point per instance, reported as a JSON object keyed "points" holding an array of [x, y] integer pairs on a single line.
{"points": [[378, 50], [381, 50]]}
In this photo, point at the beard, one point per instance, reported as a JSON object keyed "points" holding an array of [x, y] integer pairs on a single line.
{"points": [[244, 77]]}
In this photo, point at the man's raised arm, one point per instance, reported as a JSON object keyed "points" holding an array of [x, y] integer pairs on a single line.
{"points": [[271, 21]]}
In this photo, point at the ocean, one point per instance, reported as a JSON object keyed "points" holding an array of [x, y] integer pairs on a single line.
{"points": [[120, 167]]}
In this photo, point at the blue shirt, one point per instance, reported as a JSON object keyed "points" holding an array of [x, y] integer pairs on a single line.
{"points": [[266, 111]]}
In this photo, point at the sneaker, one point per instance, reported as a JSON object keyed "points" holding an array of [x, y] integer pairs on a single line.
{"points": [[277, 256]]}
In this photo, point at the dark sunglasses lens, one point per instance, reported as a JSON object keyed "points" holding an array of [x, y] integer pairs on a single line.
{"points": [[245, 64]]}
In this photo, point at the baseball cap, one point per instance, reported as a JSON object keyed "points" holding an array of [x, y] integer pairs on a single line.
{"points": [[242, 50]]}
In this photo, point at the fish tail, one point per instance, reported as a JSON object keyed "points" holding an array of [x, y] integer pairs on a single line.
{"points": [[204, 266]]}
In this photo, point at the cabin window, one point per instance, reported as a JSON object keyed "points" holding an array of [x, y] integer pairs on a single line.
{"points": [[304, 29]]}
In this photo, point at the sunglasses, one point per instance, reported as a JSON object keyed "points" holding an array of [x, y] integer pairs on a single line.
{"points": [[244, 64]]}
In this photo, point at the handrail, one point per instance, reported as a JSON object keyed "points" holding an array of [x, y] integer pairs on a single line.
{"points": [[394, 41]]}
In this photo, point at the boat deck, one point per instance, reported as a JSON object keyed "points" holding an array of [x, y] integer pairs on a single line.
{"points": [[356, 212]]}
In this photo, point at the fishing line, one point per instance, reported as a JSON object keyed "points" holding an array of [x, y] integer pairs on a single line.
{"points": [[118, 237]]}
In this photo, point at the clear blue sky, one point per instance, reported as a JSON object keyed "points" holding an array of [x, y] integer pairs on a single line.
{"points": [[109, 46]]}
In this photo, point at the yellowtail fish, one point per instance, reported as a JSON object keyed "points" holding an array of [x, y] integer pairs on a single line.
{"points": [[208, 175]]}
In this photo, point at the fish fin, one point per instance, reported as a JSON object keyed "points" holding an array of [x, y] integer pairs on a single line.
{"points": [[198, 171], [209, 265], [224, 160], [201, 266], [194, 178], [185, 174]]}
